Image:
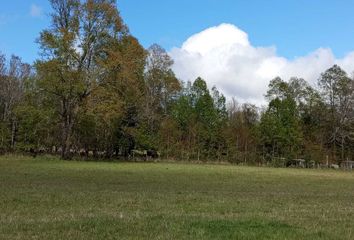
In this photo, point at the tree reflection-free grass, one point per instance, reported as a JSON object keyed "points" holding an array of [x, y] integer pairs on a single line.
{"points": [[45, 198]]}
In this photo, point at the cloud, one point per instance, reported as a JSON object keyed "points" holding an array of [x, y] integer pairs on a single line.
{"points": [[36, 11], [225, 58]]}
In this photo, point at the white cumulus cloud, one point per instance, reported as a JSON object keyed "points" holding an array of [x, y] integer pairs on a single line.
{"points": [[36, 11], [225, 58]]}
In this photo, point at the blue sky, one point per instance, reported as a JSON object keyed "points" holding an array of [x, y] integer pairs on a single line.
{"points": [[235, 45], [295, 27]]}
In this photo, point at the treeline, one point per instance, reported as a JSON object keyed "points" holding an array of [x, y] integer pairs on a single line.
{"points": [[97, 92]]}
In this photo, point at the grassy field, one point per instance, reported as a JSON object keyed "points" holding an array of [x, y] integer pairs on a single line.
{"points": [[45, 198]]}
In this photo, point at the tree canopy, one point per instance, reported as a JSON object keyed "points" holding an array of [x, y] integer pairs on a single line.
{"points": [[96, 92]]}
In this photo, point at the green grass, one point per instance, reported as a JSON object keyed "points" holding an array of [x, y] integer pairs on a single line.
{"points": [[46, 198]]}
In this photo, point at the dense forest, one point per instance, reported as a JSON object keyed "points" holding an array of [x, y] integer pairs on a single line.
{"points": [[95, 92]]}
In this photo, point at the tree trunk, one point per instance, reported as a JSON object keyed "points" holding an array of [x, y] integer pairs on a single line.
{"points": [[13, 134], [66, 140], [246, 151], [342, 149], [67, 125]]}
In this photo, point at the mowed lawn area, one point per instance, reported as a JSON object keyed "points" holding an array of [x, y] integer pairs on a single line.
{"points": [[46, 198]]}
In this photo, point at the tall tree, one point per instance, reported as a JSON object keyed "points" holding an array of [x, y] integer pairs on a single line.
{"points": [[241, 132], [338, 92], [72, 50], [280, 123], [161, 86], [12, 78], [116, 102], [201, 117]]}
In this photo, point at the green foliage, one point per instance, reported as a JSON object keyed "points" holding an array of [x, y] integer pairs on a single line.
{"points": [[5, 135], [201, 117], [280, 124], [96, 91], [88, 51], [338, 90]]}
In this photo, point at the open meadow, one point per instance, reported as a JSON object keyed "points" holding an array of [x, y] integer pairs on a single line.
{"points": [[47, 198]]}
